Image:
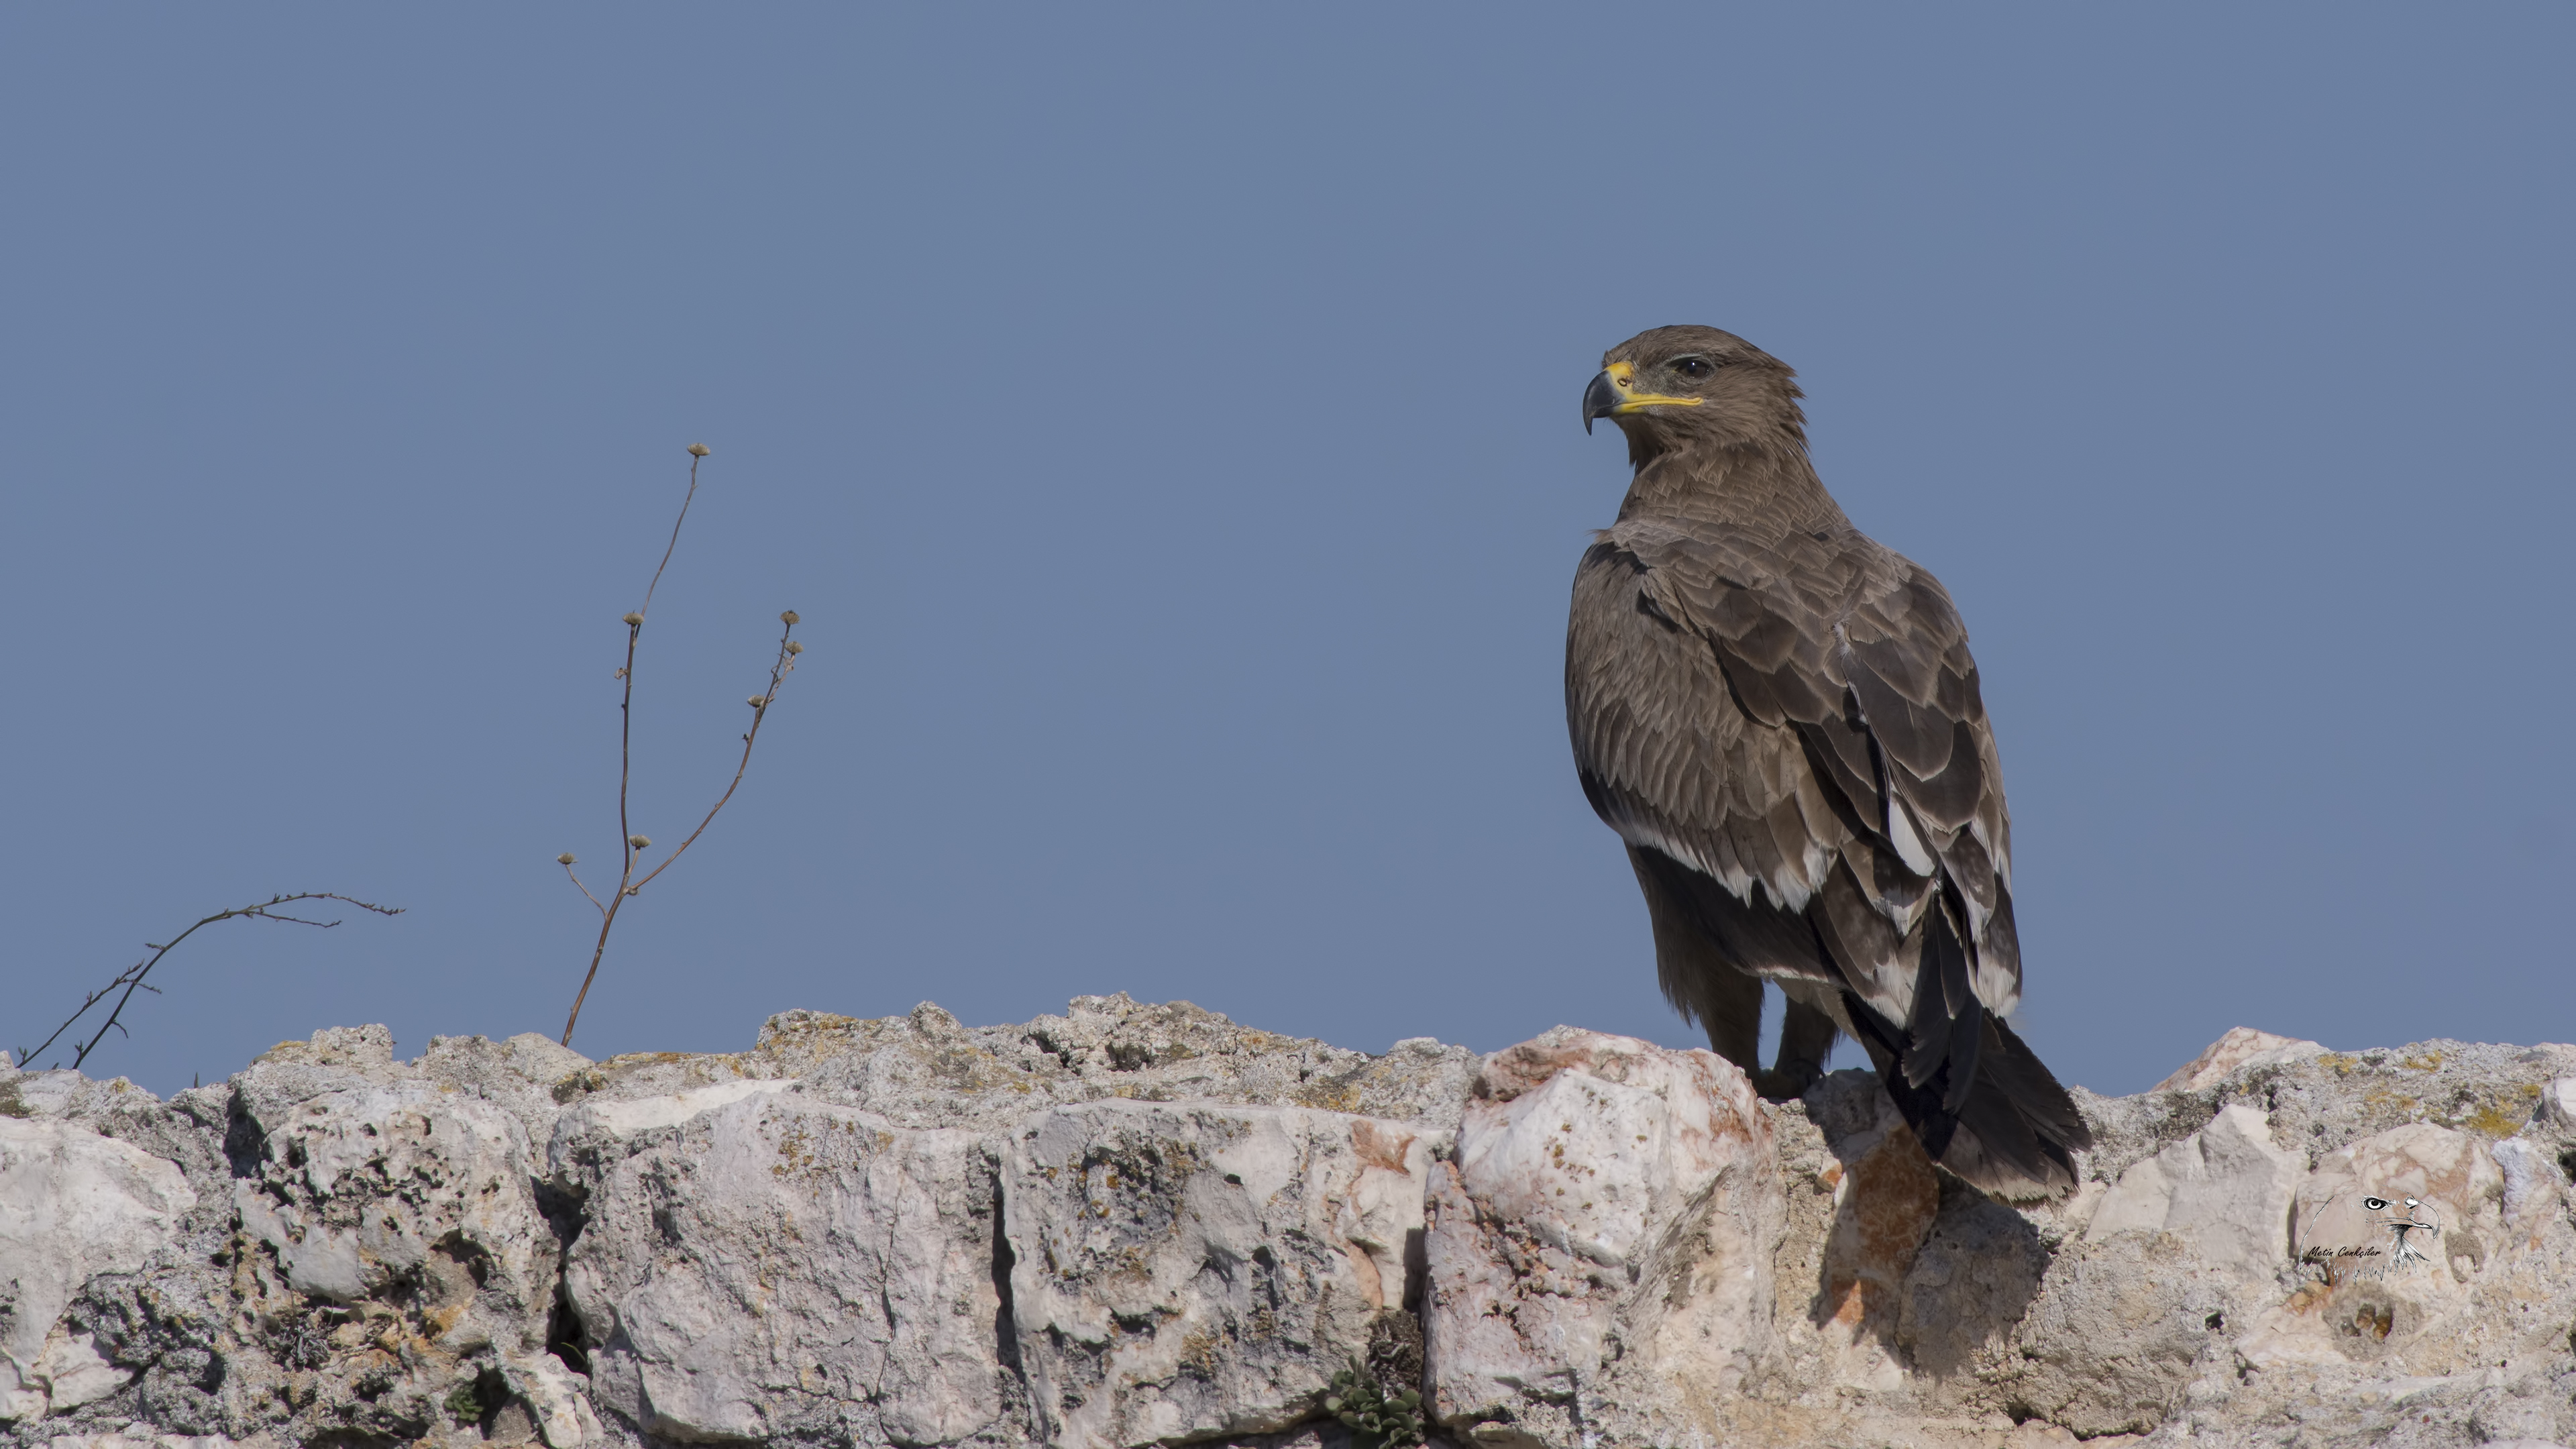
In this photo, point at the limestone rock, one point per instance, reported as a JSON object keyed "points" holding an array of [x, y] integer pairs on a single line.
{"points": [[519, 1075], [389, 1231], [2320, 1103], [1600, 1251], [2426, 1196], [2554, 1119], [2398, 1229], [2226, 1190], [2134, 1303], [371, 1185], [1137, 1224], [761, 1265], [2242, 1048], [1185, 1272], [138, 1442], [1861, 1197], [2119, 1330], [73, 1204], [1970, 1287], [926, 1070]]}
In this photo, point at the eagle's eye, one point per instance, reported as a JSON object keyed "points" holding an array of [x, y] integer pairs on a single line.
{"points": [[1692, 367]]}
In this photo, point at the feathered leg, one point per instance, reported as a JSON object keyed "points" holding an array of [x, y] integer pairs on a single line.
{"points": [[1806, 1039], [1726, 1002]]}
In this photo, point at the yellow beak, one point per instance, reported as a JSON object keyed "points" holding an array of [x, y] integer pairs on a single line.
{"points": [[1614, 394]]}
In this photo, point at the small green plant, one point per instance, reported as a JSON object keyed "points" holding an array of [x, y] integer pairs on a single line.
{"points": [[1375, 1419], [464, 1405]]}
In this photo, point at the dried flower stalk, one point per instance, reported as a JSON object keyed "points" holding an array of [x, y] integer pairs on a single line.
{"points": [[635, 844]]}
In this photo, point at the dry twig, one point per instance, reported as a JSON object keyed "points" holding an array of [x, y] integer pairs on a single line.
{"points": [[131, 978], [635, 845]]}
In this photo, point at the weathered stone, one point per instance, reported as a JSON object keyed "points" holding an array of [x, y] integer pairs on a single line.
{"points": [[1185, 1272], [2366, 1195], [1971, 1283], [842, 1237], [73, 1205], [138, 1441], [761, 1265], [2534, 1186], [2242, 1048], [2320, 1103], [1600, 1251], [926, 1070], [2133, 1303], [1860, 1198], [2118, 1331], [2226, 1190], [2395, 1227], [2553, 1121], [391, 1229], [519, 1075]]}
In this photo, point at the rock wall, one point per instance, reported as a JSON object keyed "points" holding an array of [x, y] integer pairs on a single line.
{"points": [[1144, 1225]]}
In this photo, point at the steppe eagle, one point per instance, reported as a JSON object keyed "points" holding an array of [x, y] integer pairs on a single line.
{"points": [[1781, 719]]}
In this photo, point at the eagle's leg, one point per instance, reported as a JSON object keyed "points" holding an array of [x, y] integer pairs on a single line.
{"points": [[1806, 1039], [1701, 984], [1729, 1007]]}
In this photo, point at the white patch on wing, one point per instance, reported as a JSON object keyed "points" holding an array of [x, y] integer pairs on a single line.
{"points": [[1977, 917], [1819, 863], [1995, 988], [1790, 894], [1889, 989], [1738, 882], [1793, 894], [2001, 857], [1901, 834]]}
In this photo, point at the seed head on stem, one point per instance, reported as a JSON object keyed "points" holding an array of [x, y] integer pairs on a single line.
{"points": [[635, 877]]}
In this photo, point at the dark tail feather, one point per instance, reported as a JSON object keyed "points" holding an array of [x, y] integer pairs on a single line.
{"points": [[2017, 1071], [1978, 1099]]}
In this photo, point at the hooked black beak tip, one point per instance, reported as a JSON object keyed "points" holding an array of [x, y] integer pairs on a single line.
{"points": [[1598, 399]]}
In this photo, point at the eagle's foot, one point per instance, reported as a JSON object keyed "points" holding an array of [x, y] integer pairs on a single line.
{"points": [[1784, 1084]]}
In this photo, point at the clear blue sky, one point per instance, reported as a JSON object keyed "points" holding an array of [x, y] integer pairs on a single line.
{"points": [[1165, 422]]}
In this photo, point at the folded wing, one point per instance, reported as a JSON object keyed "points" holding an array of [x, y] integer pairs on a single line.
{"points": [[1796, 716]]}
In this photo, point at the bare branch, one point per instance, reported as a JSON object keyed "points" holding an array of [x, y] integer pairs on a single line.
{"points": [[759, 712], [695, 457], [131, 978], [630, 844], [566, 862]]}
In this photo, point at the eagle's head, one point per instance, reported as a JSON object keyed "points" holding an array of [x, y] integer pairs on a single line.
{"points": [[1675, 388]]}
